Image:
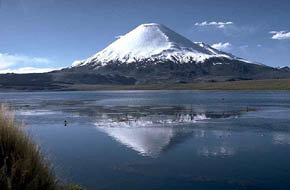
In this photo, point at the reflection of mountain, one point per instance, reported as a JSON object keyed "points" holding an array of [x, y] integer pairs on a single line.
{"points": [[148, 141], [140, 114], [151, 141], [152, 132]]}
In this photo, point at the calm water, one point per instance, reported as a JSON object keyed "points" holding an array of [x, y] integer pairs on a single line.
{"points": [[162, 139]]}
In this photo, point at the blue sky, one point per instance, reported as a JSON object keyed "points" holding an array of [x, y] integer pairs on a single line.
{"points": [[38, 35]]}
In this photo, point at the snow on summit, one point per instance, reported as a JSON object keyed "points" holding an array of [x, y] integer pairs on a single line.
{"points": [[153, 41]]}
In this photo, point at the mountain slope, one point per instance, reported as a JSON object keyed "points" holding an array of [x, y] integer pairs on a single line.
{"points": [[150, 42], [153, 53]]}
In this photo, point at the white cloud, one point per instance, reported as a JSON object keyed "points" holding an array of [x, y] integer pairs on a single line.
{"points": [[228, 28], [215, 24], [7, 60], [222, 46], [27, 70], [280, 35], [23, 64]]}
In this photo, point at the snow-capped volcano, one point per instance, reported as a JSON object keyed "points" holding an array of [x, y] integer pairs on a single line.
{"points": [[153, 42], [151, 54], [154, 54]]}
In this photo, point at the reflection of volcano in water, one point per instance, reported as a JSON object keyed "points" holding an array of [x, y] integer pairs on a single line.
{"points": [[174, 113], [148, 141], [152, 141], [153, 132], [150, 120], [149, 135]]}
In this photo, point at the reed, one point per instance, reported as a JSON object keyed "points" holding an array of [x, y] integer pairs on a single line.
{"points": [[22, 166]]}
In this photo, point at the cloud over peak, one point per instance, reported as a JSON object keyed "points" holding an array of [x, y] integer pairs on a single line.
{"points": [[214, 23], [222, 46], [280, 35]]}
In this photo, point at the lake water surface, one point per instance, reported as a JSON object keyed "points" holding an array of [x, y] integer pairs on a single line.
{"points": [[162, 139]]}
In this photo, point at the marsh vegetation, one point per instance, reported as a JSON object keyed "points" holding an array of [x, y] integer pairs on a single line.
{"points": [[22, 165]]}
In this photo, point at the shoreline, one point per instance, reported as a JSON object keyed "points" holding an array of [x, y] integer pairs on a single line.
{"points": [[244, 85]]}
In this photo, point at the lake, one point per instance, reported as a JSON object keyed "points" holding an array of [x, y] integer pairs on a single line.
{"points": [[162, 139]]}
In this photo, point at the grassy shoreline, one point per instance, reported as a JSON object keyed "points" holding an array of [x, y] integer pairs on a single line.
{"points": [[270, 84], [22, 165], [276, 84]]}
